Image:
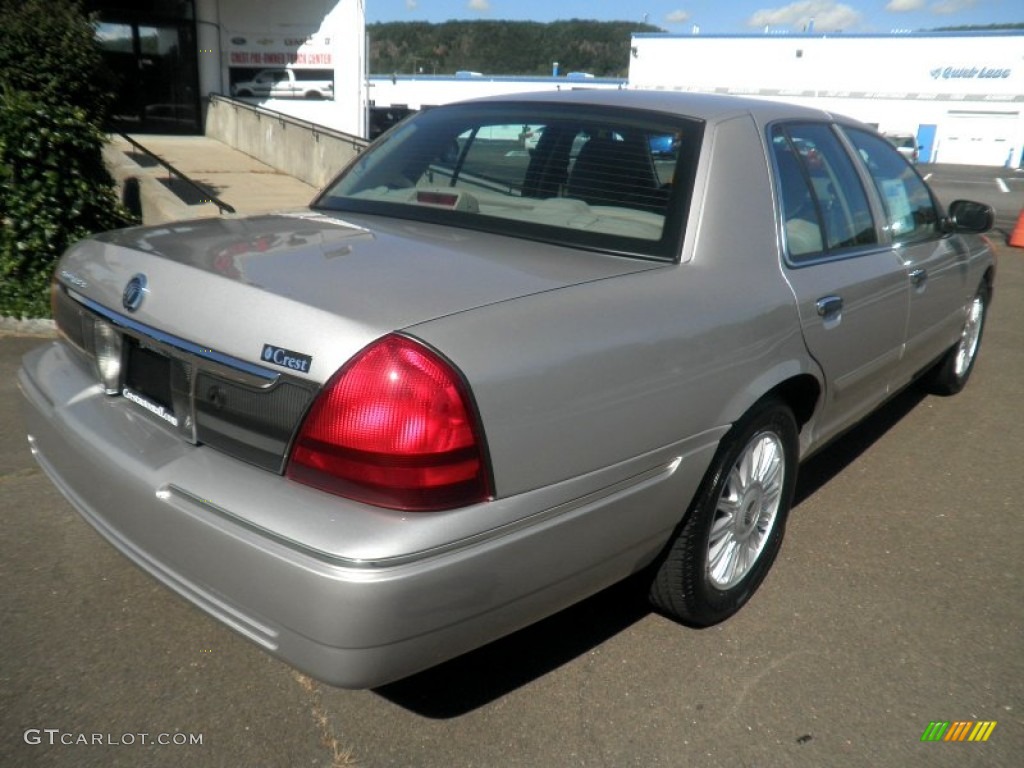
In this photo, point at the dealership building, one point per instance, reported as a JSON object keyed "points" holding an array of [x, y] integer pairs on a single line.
{"points": [[168, 56], [960, 94]]}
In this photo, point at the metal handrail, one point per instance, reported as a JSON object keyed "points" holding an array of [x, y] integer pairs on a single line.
{"points": [[224, 207]]}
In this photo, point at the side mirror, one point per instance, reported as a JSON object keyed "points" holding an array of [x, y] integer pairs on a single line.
{"points": [[971, 217]]}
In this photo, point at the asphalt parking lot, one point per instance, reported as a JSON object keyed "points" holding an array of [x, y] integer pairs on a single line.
{"points": [[896, 602]]}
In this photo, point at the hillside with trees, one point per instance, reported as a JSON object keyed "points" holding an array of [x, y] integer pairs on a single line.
{"points": [[516, 47], [981, 28], [503, 47]]}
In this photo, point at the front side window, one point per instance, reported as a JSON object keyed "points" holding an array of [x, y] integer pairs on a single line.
{"points": [[910, 210], [587, 177], [824, 207]]}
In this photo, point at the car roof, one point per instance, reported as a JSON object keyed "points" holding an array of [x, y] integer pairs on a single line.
{"points": [[709, 107]]}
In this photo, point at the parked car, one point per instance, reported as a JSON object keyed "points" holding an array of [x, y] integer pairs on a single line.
{"points": [[905, 144], [284, 84], [469, 388], [662, 145]]}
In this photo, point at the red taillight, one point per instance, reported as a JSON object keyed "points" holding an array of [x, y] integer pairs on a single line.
{"points": [[394, 427]]}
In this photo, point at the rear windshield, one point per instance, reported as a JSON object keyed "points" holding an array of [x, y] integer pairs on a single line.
{"points": [[611, 180]]}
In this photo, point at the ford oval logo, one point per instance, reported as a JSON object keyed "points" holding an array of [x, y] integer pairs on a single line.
{"points": [[134, 292]]}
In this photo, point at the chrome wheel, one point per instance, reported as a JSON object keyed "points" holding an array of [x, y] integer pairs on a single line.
{"points": [[968, 345], [746, 510], [951, 372], [734, 525]]}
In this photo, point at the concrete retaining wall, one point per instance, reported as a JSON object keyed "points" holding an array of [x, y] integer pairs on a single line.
{"points": [[304, 150]]}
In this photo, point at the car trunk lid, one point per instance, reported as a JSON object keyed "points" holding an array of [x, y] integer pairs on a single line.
{"points": [[317, 285]]}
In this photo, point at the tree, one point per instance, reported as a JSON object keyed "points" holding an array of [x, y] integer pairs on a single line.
{"points": [[48, 48], [503, 47], [54, 188]]}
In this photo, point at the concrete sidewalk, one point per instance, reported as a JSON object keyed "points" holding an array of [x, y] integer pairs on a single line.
{"points": [[243, 182]]}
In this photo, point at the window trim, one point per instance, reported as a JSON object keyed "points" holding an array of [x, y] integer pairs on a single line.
{"points": [[875, 206]]}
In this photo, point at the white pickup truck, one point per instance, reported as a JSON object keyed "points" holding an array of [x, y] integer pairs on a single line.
{"points": [[284, 83]]}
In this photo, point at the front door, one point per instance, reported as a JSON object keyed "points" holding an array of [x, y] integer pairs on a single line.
{"points": [[936, 269], [155, 75], [926, 142], [169, 76]]}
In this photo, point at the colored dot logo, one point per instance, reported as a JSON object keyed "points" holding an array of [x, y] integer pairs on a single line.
{"points": [[958, 730]]}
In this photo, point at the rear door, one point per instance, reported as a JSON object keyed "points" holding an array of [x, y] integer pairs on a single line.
{"points": [[850, 288]]}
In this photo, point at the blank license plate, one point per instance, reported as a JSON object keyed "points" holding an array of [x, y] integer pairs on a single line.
{"points": [[149, 374]]}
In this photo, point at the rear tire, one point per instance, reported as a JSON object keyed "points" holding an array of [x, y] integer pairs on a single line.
{"points": [[951, 373], [733, 530]]}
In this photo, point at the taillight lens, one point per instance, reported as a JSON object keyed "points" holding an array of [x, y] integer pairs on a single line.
{"points": [[394, 427]]}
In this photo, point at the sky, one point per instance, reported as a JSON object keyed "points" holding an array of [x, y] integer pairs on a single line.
{"points": [[725, 17]]}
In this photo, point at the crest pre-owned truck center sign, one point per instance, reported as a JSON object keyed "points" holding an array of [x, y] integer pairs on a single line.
{"points": [[256, 50]]}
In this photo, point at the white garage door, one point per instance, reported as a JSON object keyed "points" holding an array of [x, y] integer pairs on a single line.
{"points": [[977, 139]]}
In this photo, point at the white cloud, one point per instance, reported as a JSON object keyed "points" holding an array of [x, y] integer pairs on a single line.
{"points": [[411, 5], [946, 7], [480, 6], [827, 15], [902, 6], [677, 17]]}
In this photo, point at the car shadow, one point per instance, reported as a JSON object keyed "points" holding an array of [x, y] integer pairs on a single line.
{"points": [[476, 678], [841, 452], [479, 677]]}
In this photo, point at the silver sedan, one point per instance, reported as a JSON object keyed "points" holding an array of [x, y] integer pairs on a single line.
{"points": [[478, 381]]}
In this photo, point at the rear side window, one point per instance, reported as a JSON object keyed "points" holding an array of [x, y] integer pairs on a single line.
{"points": [[910, 211], [824, 206]]}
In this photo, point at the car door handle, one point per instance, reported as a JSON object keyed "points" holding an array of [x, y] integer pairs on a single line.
{"points": [[918, 277], [829, 305]]}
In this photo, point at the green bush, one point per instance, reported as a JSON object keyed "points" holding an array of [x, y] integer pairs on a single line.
{"points": [[48, 48], [54, 188]]}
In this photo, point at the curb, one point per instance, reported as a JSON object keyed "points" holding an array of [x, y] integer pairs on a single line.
{"points": [[28, 327]]}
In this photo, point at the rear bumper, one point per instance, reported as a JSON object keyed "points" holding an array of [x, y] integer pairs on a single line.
{"points": [[185, 515]]}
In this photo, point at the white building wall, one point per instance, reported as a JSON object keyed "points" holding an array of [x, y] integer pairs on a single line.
{"points": [[211, 78], [418, 91], [963, 94], [299, 34]]}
